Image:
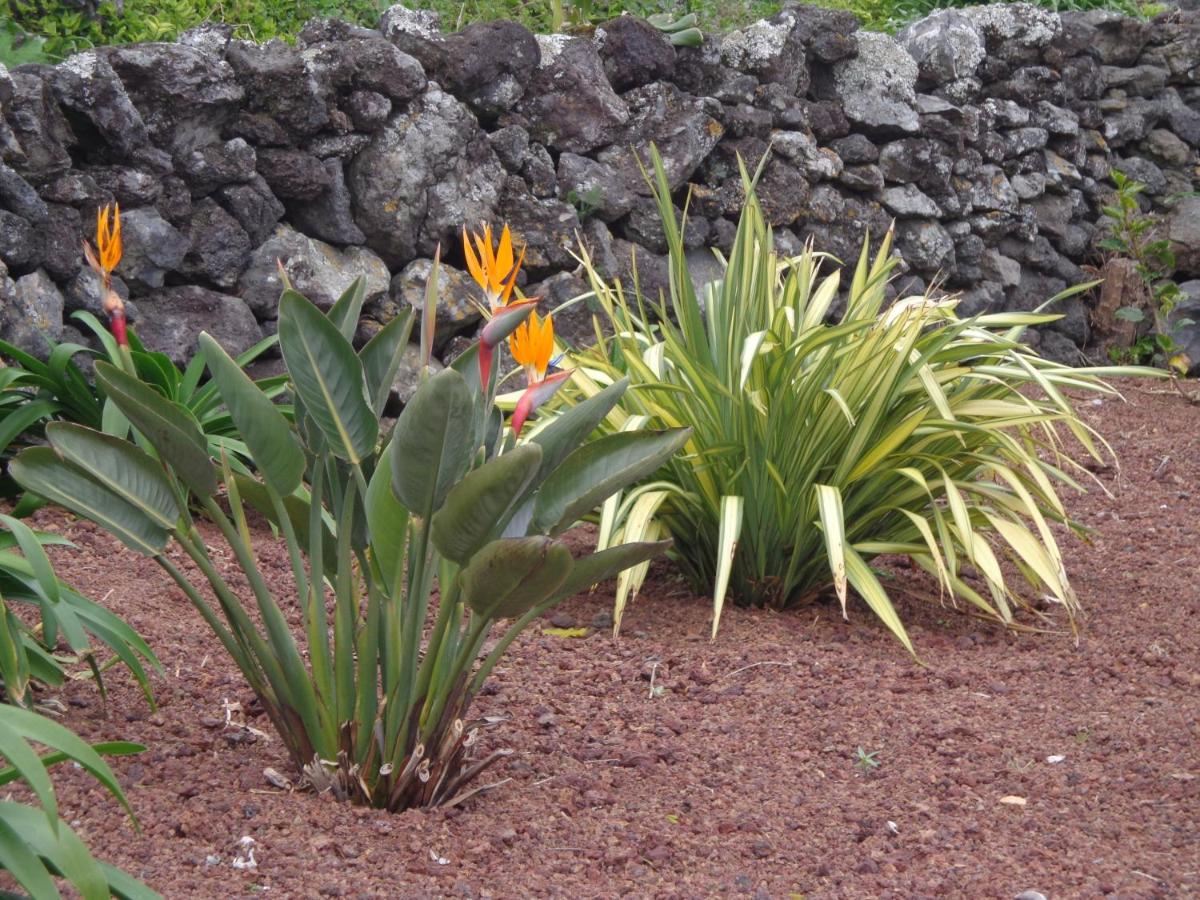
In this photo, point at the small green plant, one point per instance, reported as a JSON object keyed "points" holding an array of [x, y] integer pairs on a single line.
{"points": [[587, 203], [680, 30], [867, 762], [367, 706], [35, 844], [69, 628], [1132, 235], [820, 445]]}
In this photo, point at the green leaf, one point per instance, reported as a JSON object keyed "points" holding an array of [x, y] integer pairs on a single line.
{"points": [[168, 427], [509, 577], [431, 446], [387, 523], [596, 567], [477, 506], [40, 470], [1130, 314], [16, 856], [261, 425], [381, 359], [121, 467], [34, 727], [573, 426], [600, 468], [328, 377], [345, 311]]}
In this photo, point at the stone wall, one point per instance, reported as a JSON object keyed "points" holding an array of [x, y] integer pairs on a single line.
{"points": [[988, 134]]}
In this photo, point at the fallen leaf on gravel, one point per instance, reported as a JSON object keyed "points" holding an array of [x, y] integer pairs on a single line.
{"points": [[1013, 800], [278, 779], [565, 632]]}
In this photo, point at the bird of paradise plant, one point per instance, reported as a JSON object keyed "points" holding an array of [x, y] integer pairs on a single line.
{"points": [[372, 699]]}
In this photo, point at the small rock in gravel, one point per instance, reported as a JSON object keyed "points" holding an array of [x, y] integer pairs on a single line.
{"points": [[1030, 895], [562, 620]]}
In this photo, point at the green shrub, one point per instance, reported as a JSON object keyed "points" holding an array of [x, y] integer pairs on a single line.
{"points": [[818, 446], [33, 393], [369, 709], [35, 845], [33, 653], [1133, 236]]}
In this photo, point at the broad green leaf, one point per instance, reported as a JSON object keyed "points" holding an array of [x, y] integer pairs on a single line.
{"points": [[35, 727], [41, 471], [267, 433], [121, 467], [431, 445], [168, 427], [572, 426], [18, 858], [345, 312], [28, 767], [328, 377], [596, 567], [477, 505], [381, 359], [597, 469], [387, 523], [509, 577]]}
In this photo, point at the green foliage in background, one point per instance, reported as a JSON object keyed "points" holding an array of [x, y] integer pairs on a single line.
{"points": [[34, 392], [1137, 237], [46, 30], [823, 440]]}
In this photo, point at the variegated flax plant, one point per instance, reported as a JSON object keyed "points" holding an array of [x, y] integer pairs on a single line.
{"points": [[824, 441], [408, 549]]}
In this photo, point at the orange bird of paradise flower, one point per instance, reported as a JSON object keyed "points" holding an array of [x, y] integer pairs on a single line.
{"points": [[532, 341], [532, 346], [103, 260], [495, 270]]}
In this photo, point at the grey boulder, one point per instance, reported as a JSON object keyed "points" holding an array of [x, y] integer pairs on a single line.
{"points": [[318, 271], [422, 177], [172, 319]]}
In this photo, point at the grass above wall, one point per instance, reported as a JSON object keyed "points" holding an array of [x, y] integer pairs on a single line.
{"points": [[50, 30]]}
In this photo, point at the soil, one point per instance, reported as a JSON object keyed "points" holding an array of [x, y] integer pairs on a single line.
{"points": [[663, 764]]}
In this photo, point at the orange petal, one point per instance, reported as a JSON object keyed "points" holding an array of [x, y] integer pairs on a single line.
{"points": [[504, 254], [510, 279], [473, 261]]}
